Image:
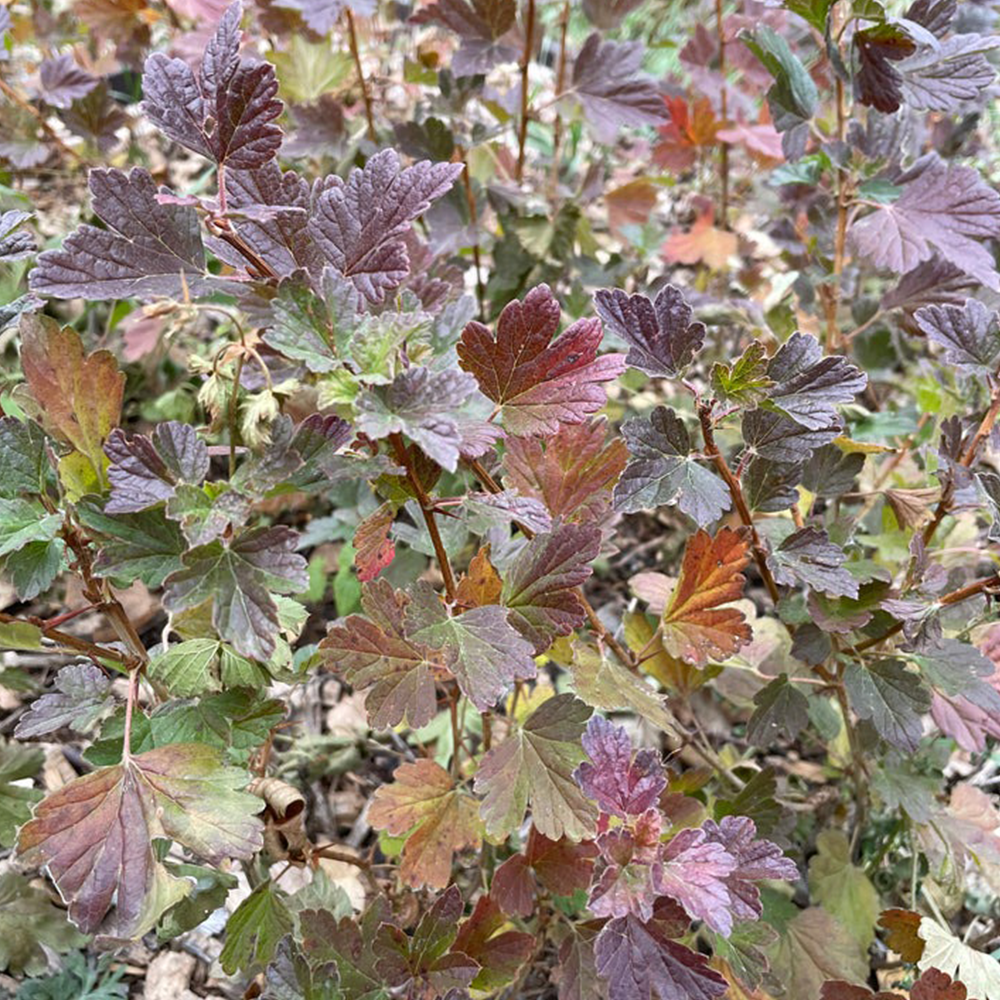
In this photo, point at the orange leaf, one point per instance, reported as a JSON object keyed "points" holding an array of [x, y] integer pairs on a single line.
{"points": [[630, 205], [439, 819], [702, 244], [481, 585], [903, 938], [695, 627], [688, 131], [373, 549]]}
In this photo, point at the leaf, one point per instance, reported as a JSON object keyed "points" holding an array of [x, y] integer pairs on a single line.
{"points": [[935, 985], [877, 83], [779, 439], [81, 699], [16, 763], [808, 385], [79, 394], [538, 385], [484, 652], [691, 130], [96, 118], [95, 834], [808, 556], [227, 113], [639, 962], [612, 89], [321, 15], [979, 973], [148, 249], [970, 335], [841, 889], [630, 204], [703, 243], [348, 947], [15, 242], [481, 585], [949, 75], [483, 27], [830, 472], [663, 339], [420, 404], [422, 965], [499, 953], [892, 698], [144, 546], [373, 549], [358, 223], [376, 654], [621, 782], [695, 627], [572, 472], [187, 667], [30, 925], [793, 97], [437, 819], [23, 522], [744, 381], [61, 81], [145, 471], [781, 710], [20, 635], [947, 208], [661, 471], [533, 767], [603, 682], [815, 947], [902, 927], [540, 585], [254, 930]]}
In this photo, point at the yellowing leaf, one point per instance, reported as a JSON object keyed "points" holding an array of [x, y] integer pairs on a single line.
{"points": [[438, 819], [702, 244], [695, 626], [842, 889]]}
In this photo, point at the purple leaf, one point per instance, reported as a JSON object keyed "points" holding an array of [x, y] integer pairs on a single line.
{"points": [[609, 83], [82, 697], [662, 472], [490, 509], [892, 697], [949, 75], [97, 118], [622, 784], [877, 83], [482, 25], [626, 880], [780, 439], [227, 113], [419, 403], [484, 652], [639, 962], [148, 249], [15, 243], [807, 385], [539, 587], [934, 282], [239, 578], [663, 340], [359, 223], [808, 556], [61, 81], [321, 15], [970, 335], [948, 208], [693, 871]]}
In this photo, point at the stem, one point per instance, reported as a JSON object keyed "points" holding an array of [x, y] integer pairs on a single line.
{"points": [[470, 199], [352, 36], [739, 501], [70, 642], [857, 762], [557, 130], [487, 721], [840, 237], [522, 129], [427, 509], [331, 851], [456, 735], [222, 188], [227, 234], [133, 691], [233, 414], [724, 109]]}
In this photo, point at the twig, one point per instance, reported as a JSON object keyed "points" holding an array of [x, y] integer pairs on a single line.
{"points": [[72, 643], [10, 92], [557, 128], [427, 509], [470, 199], [352, 36], [724, 111], [522, 128]]}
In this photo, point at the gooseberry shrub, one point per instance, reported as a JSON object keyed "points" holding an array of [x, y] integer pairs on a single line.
{"points": [[436, 571]]}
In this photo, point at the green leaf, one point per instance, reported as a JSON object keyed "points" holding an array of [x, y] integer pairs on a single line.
{"points": [[144, 546], [29, 923], [206, 896], [254, 930], [32, 568], [534, 766], [240, 577], [24, 465], [781, 710], [886, 693], [187, 667], [842, 889], [745, 380], [24, 521], [20, 635], [16, 762], [793, 97]]}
